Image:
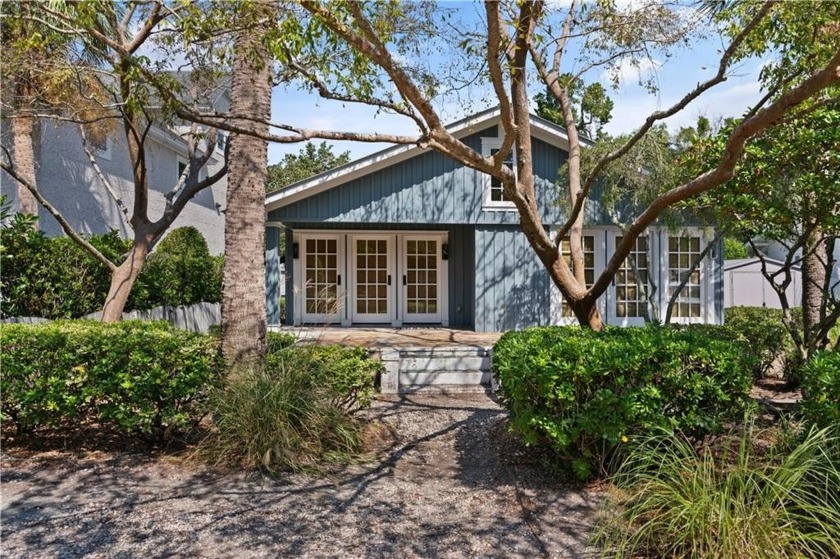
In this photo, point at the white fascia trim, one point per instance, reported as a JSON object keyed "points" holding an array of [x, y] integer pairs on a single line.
{"points": [[397, 154], [176, 143]]}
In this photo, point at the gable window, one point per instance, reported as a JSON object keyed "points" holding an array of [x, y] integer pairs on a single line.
{"points": [[494, 195], [588, 266], [631, 281], [683, 252]]}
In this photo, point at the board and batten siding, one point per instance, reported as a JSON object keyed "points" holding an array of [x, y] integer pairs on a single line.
{"points": [[511, 285], [461, 270], [427, 189]]}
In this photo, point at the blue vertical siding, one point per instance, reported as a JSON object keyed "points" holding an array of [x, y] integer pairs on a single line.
{"points": [[272, 275], [429, 188], [511, 287]]}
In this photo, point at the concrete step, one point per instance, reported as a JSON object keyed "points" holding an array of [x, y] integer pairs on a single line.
{"points": [[445, 389], [444, 377], [444, 363]]}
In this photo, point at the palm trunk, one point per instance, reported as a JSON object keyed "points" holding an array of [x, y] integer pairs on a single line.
{"points": [[23, 127], [243, 295], [123, 279]]}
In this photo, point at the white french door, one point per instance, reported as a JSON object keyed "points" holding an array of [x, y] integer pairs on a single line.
{"points": [[322, 265], [628, 300], [422, 291], [372, 290]]}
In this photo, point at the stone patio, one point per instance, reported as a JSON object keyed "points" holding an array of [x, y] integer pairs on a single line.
{"points": [[394, 338]]}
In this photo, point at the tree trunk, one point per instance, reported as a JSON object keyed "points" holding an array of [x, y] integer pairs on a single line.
{"points": [[813, 284], [243, 295], [587, 313], [123, 279], [23, 127]]}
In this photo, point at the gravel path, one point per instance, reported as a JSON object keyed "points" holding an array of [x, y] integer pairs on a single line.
{"points": [[450, 485]]}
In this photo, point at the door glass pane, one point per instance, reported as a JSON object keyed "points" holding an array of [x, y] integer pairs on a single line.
{"points": [[631, 281], [321, 273], [421, 277], [684, 253], [372, 277], [588, 265]]}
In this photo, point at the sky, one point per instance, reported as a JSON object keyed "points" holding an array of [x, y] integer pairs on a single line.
{"points": [[674, 76]]}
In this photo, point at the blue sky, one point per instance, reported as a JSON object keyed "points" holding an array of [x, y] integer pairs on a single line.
{"points": [[675, 76]]}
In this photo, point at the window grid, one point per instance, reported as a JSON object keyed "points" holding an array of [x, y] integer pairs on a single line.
{"points": [[630, 300], [372, 276], [682, 253], [588, 266], [421, 277], [321, 276], [497, 193]]}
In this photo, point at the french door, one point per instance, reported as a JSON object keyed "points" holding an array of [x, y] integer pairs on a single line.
{"points": [[372, 292], [421, 285], [322, 266]]}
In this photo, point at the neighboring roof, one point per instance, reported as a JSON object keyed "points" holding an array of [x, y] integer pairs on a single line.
{"points": [[736, 263], [541, 128]]}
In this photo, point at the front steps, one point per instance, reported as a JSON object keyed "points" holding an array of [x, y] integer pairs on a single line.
{"points": [[441, 369]]}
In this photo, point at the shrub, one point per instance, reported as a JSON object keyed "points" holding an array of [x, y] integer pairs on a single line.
{"points": [[293, 413], [179, 272], [767, 336], [731, 502], [582, 393], [821, 389], [137, 377], [275, 341]]}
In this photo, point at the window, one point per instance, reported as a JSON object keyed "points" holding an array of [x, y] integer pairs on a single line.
{"points": [[683, 252], [182, 165], [630, 283], [494, 195], [588, 266], [221, 140], [101, 145]]}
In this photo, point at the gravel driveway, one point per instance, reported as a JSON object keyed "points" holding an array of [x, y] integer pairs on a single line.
{"points": [[450, 485]]}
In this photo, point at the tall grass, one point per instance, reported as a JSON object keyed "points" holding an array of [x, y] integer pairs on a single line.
{"points": [[281, 417], [672, 500]]}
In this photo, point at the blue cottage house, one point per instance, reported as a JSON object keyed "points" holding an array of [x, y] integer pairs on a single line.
{"points": [[407, 236]]}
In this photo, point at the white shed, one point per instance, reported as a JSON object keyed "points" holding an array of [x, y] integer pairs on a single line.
{"points": [[745, 286]]}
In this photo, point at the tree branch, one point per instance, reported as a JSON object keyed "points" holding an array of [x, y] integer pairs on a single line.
{"points": [[102, 178], [65, 225]]}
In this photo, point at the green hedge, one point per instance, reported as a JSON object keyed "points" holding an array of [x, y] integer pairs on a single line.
{"points": [[821, 389], [584, 393], [137, 377], [766, 335], [52, 277]]}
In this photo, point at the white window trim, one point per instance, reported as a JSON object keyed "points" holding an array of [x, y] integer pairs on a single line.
{"points": [[104, 153], [705, 268], [654, 265], [488, 144], [556, 300]]}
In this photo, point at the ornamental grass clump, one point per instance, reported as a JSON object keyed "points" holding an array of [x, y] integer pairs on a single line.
{"points": [[728, 501], [294, 413]]}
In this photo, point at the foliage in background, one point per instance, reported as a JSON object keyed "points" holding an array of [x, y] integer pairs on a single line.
{"points": [[591, 105], [310, 161], [733, 249], [583, 393], [730, 500], [181, 272], [767, 338], [296, 411], [821, 389], [142, 378], [52, 277]]}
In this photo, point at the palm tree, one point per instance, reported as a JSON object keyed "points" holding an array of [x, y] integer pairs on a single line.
{"points": [[243, 297]]}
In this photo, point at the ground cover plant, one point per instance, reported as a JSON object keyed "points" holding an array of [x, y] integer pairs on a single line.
{"points": [[583, 394], [295, 412], [733, 499]]}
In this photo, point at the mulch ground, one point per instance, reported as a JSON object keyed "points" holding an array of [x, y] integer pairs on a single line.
{"points": [[445, 480]]}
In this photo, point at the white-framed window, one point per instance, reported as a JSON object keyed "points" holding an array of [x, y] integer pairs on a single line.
{"points": [[683, 252], [588, 267], [101, 147], [631, 281], [181, 166], [494, 196]]}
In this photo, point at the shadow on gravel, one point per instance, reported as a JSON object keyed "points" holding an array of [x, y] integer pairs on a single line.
{"points": [[444, 488]]}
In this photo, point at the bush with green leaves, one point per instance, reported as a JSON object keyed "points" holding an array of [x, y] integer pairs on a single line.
{"points": [[730, 500], [296, 411], [52, 277], [766, 335], [821, 389], [582, 393], [137, 377]]}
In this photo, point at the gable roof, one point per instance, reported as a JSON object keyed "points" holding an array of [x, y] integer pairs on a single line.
{"points": [[540, 128]]}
